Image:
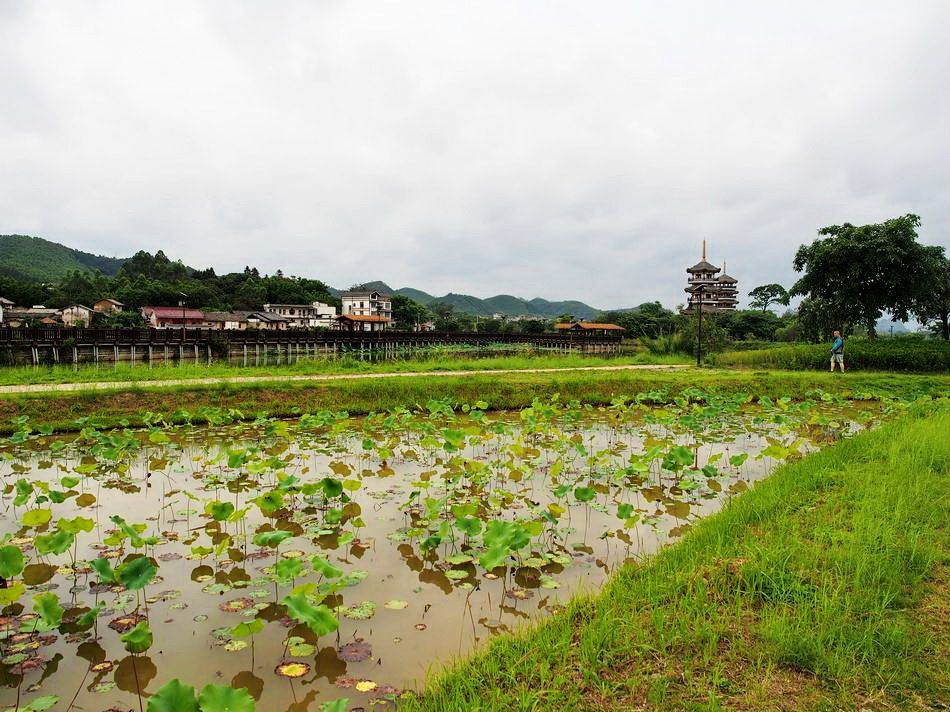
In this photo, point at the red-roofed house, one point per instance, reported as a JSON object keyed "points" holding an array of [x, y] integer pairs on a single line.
{"points": [[589, 327], [162, 317]]}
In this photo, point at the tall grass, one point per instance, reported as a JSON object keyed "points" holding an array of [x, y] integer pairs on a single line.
{"points": [[805, 593], [899, 354]]}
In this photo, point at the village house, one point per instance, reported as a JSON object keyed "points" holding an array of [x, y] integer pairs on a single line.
{"points": [[76, 315], [165, 317], [243, 320], [37, 314], [362, 322], [108, 306], [364, 302], [4, 304], [305, 316], [589, 327]]}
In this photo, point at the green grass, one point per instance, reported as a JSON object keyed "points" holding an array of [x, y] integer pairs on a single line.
{"points": [[899, 354], [825, 587], [500, 391], [138, 372]]}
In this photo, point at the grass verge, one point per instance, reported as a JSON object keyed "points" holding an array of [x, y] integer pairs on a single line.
{"points": [[500, 391], [140, 372], [825, 587]]}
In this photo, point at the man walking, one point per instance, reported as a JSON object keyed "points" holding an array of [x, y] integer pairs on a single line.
{"points": [[837, 352]]}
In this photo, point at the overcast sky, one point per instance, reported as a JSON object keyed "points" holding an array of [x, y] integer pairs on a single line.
{"points": [[554, 149]]}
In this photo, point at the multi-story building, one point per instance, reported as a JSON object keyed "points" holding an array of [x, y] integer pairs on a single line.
{"points": [[366, 302], [707, 287], [76, 315], [305, 316]]}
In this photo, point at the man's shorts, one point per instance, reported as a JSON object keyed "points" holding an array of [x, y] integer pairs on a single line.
{"points": [[837, 358]]}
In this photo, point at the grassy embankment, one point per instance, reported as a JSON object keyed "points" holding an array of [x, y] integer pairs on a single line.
{"points": [[500, 391], [900, 354], [825, 587], [140, 372]]}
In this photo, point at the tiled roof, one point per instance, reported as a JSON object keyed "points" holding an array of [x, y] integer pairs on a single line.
{"points": [[174, 312], [702, 266]]}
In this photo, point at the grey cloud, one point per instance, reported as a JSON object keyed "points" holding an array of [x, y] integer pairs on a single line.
{"points": [[554, 149]]}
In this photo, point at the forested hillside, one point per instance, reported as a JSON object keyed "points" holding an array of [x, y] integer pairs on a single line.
{"points": [[33, 258]]}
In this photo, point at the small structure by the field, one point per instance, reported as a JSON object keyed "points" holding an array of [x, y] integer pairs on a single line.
{"points": [[588, 327], [76, 315], [362, 322], [108, 306], [164, 317], [304, 316]]}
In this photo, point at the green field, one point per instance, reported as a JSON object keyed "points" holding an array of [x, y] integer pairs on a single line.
{"points": [[141, 373], [64, 411], [909, 353]]}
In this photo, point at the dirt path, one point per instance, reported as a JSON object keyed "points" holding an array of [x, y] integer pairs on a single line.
{"points": [[129, 385]]}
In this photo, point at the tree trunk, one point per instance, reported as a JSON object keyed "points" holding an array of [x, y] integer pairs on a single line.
{"points": [[945, 323], [872, 332]]}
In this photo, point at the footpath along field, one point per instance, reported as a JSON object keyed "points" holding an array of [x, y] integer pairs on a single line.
{"points": [[299, 539]]}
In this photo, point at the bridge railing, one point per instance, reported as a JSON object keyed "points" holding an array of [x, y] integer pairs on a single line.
{"points": [[62, 335]]}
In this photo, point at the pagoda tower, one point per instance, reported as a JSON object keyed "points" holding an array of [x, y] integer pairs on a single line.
{"points": [[728, 290], [703, 277]]}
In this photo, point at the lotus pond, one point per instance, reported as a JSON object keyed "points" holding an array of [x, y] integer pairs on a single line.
{"points": [[287, 564]]}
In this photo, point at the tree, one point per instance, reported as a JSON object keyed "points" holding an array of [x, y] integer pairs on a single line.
{"points": [[934, 306], [859, 271], [407, 314], [767, 294]]}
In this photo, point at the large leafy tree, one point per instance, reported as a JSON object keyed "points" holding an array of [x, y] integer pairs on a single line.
{"points": [[934, 304], [768, 294], [860, 271], [408, 313]]}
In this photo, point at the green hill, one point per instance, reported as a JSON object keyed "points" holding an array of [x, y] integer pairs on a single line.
{"points": [[33, 258], [499, 304]]}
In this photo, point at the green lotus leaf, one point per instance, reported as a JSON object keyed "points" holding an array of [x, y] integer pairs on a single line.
{"points": [[11, 593], [340, 705], [37, 517], [41, 704], [288, 569], [173, 696], [252, 627], [269, 502], [219, 511], [48, 609], [272, 538], [76, 525], [322, 566], [319, 619], [11, 561], [584, 494], [55, 543], [137, 573], [104, 569], [89, 617], [220, 698], [139, 639], [331, 487]]}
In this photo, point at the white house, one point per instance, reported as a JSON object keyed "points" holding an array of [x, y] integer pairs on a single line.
{"points": [[305, 316], [365, 302], [76, 315]]}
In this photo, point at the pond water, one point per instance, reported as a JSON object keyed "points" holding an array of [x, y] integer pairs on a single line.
{"points": [[358, 553]]}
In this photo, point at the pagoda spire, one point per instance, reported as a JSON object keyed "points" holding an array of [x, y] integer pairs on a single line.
{"points": [[704, 249]]}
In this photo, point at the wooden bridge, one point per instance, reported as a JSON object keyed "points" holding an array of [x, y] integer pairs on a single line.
{"points": [[23, 345]]}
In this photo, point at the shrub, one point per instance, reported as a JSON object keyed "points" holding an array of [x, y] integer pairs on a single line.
{"points": [[910, 353]]}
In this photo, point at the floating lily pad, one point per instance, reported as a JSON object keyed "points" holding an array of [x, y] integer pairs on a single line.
{"points": [[292, 669], [360, 612], [395, 604], [366, 686], [355, 652], [236, 605]]}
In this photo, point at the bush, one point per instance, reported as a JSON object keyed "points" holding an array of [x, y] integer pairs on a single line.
{"points": [[910, 353]]}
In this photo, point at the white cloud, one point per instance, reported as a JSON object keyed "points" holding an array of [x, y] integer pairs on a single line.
{"points": [[554, 149]]}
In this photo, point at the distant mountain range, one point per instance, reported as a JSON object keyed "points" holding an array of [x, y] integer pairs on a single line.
{"points": [[499, 304], [33, 258]]}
